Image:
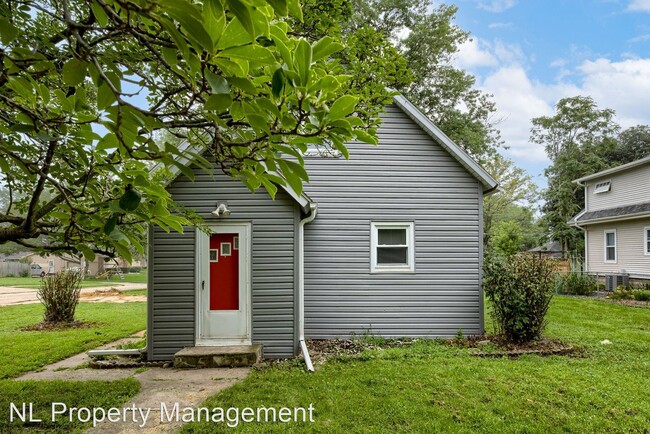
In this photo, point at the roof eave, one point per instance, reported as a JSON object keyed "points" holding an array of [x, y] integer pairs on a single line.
{"points": [[489, 184], [616, 169], [613, 218]]}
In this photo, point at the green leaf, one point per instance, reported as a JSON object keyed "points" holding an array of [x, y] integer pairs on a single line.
{"points": [[109, 227], [277, 82], [270, 187], [250, 53], [218, 83], [99, 13], [184, 170], [298, 169], [214, 19], [130, 200], [244, 84], [218, 102], [123, 251], [325, 47], [8, 32], [105, 96], [294, 9], [86, 251], [342, 107], [365, 137], [191, 22], [240, 10], [234, 35], [302, 61], [280, 7]]}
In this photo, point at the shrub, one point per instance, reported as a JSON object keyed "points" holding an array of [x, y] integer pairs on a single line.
{"points": [[641, 294], [135, 269], [520, 290], [60, 296], [621, 293], [575, 283], [25, 273]]}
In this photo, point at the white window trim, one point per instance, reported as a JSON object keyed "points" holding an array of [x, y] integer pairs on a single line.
{"points": [[217, 256], [606, 186], [410, 244], [646, 231], [224, 251], [615, 260]]}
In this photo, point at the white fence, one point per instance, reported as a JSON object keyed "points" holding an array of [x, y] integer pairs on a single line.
{"points": [[14, 269]]}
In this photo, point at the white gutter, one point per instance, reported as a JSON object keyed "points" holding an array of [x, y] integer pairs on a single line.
{"points": [[301, 285]]}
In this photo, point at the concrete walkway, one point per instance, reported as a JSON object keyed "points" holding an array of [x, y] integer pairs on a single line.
{"points": [[188, 388], [10, 295]]}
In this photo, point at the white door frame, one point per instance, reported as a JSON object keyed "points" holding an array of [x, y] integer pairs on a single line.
{"points": [[202, 242]]}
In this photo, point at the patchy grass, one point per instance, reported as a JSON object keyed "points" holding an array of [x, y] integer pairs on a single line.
{"points": [[142, 292], [432, 387], [105, 394], [24, 351], [129, 277], [34, 283]]}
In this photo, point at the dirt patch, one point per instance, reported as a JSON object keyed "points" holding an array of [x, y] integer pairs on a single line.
{"points": [[498, 346], [102, 292], [58, 326]]}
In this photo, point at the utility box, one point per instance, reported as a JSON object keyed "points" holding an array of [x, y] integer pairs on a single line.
{"points": [[613, 281]]}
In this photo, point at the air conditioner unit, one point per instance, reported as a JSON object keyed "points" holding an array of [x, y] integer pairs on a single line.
{"points": [[613, 281]]}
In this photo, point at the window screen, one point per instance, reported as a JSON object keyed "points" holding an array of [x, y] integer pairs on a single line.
{"points": [[610, 246], [392, 247]]}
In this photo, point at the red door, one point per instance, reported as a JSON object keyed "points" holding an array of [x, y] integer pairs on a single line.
{"points": [[224, 272]]}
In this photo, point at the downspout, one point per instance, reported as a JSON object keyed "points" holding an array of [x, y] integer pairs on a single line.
{"points": [[301, 285]]}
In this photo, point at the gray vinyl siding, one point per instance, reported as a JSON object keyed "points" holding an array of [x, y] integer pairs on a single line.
{"points": [[172, 322], [629, 187], [630, 255], [407, 178]]}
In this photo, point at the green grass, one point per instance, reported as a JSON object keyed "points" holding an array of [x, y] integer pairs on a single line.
{"points": [[22, 351], [105, 394], [431, 387], [34, 282], [134, 292]]}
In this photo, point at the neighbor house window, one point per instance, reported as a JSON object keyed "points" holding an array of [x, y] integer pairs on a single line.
{"points": [[610, 246], [603, 187], [392, 247], [646, 241]]}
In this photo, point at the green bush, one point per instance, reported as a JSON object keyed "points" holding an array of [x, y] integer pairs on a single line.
{"points": [[60, 296], [520, 290], [621, 293], [25, 273], [575, 284], [641, 294]]}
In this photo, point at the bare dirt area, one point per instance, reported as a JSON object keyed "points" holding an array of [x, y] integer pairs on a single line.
{"points": [[111, 295]]}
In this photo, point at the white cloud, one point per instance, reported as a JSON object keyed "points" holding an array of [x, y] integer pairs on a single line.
{"points": [[500, 25], [496, 6], [640, 38], [473, 54], [639, 6]]}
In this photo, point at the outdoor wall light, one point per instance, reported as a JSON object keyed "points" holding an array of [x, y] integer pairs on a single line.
{"points": [[221, 211]]}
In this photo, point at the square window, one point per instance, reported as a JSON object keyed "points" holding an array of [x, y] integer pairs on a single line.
{"points": [[214, 255], [225, 249], [392, 247], [610, 246]]}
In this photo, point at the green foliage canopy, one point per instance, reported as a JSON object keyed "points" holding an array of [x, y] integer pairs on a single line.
{"points": [[77, 141]]}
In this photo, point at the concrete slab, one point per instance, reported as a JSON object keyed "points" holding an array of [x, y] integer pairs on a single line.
{"points": [[216, 357], [168, 386]]}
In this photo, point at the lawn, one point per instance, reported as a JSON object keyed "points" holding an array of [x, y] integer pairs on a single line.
{"points": [[34, 282], [24, 351], [432, 387]]}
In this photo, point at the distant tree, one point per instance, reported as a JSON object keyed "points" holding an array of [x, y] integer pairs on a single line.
{"points": [[577, 139], [507, 238], [633, 144], [517, 190], [426, 36]]}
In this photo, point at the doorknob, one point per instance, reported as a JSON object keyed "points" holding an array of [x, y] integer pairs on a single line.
{"points": [[202, 285]]}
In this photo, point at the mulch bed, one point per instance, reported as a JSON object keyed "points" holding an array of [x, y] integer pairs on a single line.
{"points": [[497, 346], [58, 326]]}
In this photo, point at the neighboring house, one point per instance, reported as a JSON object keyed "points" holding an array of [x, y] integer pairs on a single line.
{"points": [[54, 263], [552, 249], [386, 243], [616, 220]]}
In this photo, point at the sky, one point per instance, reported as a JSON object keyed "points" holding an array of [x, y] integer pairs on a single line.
{"points": [[531, 53]]}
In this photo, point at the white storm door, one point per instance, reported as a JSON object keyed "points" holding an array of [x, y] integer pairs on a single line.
{"points": [[224, 290]]}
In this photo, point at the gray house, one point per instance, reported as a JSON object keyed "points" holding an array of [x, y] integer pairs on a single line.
{"points": [[387, 242], [616, 220]]}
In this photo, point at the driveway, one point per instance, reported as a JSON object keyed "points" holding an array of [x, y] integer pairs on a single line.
{"points": [[10, 295]]}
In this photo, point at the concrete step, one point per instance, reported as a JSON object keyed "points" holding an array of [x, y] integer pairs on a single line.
{"points": [[218, 357]]}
